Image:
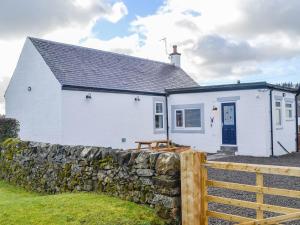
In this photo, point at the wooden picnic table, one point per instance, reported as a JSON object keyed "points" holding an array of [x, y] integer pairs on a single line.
{"points": [[156, 143]]}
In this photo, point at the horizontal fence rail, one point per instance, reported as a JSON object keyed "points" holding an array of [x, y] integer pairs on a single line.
{"points": [[195, 198], [251, 188], [254, 168]]}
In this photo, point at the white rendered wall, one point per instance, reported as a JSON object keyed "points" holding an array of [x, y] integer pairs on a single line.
{"points": [[38, 110], [106, 118], [175, 59], [252, 121], [285, 134]]}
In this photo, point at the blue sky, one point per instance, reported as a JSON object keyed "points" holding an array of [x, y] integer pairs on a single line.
{"points": [[106, 30]]}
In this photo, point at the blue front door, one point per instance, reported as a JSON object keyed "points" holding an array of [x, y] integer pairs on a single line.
{"points": [[228, 124]]}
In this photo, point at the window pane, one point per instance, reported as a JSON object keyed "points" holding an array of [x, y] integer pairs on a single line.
{"points": [[288, 113], [159, 121], [159, 107], [192, 118], [179, 118], [278, 104], [278, 117], [288, 105], [228, 115]]}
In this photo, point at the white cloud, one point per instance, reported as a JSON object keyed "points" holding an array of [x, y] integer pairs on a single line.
{"points": [[216, 49], [260, 17], [9, 54], [3, 84], [214, 36], [35, 17], [127, 45], [118, 11]]}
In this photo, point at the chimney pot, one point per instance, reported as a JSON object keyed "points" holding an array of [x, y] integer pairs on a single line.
{"points": [[174, 48]]}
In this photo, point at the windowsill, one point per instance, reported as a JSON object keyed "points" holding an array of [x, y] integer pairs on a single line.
{"points": [[289, 120], [187, 130], [279, 128]]}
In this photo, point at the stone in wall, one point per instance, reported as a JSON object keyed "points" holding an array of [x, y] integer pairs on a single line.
{"points": [[143, 177]]}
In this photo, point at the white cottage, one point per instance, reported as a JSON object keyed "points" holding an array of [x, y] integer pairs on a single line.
{"points": [[73, 95]]}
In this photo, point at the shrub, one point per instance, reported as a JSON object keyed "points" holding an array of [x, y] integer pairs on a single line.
{"points": [[9, 128]]}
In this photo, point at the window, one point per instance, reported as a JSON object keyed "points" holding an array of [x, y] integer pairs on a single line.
{"points": [[179, 118], [288, 111], [229, 111], [188, 118], [159, 115], [159, 107], [192, 118], [278, 113]]}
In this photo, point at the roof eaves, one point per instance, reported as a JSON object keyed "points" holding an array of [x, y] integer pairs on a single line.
{"points": [[107, 90], [229, 87], [280, 88], [212, 88]]}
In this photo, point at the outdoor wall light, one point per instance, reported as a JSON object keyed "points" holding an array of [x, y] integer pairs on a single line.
{"points": [[137, 99], [88, 96], [29, 88], [215, 108], [283, 94]]}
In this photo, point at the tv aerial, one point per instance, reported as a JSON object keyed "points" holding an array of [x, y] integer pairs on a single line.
{"points": [[165, 42]]}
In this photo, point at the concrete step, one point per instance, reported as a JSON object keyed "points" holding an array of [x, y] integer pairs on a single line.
{"points": [[227, 150], [216, 156]]}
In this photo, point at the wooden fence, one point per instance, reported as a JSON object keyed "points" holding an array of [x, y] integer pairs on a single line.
{"points": [[195, 198]]}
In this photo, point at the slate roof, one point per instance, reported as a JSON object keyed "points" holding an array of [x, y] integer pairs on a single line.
{"points": [[79, 67]]}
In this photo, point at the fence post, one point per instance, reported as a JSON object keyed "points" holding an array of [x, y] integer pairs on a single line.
{"points": [[259, 195], [204, 203], [193, 203]]}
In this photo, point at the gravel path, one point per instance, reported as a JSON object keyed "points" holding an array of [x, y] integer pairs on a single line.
{"points": [[249, 178]]}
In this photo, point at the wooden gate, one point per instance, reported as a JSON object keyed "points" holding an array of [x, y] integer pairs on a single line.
{"points": [[195, 199]]}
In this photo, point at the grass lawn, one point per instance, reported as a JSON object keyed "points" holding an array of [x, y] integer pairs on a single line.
{"points": [[19, 207]]}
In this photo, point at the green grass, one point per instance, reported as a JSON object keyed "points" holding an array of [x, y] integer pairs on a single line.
{"points": [[19, 207]]}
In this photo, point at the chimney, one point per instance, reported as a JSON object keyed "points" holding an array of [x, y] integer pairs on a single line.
{"points": [[175, 57]]}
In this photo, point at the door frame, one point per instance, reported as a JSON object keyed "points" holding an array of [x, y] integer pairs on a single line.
{"points": [[222, 122]]}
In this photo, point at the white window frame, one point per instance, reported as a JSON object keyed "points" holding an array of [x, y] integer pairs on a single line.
{"points": [[183, 122], [159, 114], [289, 109], [183, 119], [281, 116]]}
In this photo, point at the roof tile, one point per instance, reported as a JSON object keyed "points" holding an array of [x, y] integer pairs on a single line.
{"points": [[85, 67]]}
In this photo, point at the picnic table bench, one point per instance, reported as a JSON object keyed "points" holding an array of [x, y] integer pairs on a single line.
{"points": [[156, 143]]}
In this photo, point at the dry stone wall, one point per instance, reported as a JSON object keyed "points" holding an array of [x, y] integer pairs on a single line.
{"points": [[143, 177]]}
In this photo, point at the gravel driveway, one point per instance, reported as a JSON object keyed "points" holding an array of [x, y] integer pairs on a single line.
{"points": [[249, 178]]}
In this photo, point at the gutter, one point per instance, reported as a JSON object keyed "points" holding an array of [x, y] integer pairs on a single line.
{"points": [[167, 117], [271, 116], [297, 122], [108, 90], [230, 87]]}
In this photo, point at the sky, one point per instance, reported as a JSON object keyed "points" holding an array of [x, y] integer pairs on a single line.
{"points": [[220, 41]]}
